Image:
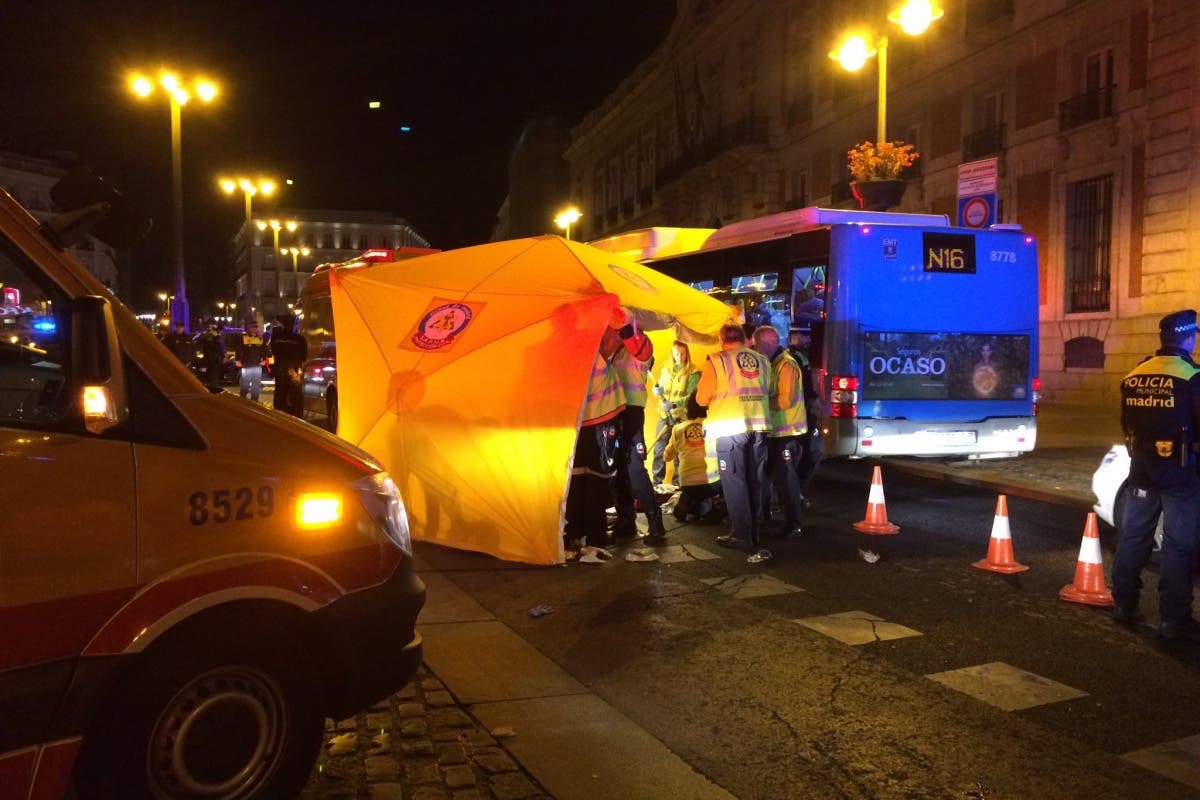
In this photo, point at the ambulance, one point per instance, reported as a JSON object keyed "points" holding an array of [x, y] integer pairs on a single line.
{"points": [[190, 583]]}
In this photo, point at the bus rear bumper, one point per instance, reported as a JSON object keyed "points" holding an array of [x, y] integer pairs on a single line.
{"points": [[993, 437]]}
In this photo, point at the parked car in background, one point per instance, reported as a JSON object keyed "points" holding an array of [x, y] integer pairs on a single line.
{"points": [[1110, 485]]}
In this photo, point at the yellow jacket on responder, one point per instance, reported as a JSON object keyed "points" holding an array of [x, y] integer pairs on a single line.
{"points": [[605, 399], [740, 387], [676, 382], [631, 376], [788, 417], [697, 459]]}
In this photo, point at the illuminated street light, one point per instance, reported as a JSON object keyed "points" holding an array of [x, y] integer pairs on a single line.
{"points": [[566, 218], [914, 18], [275, 226], [249, 188], [296, 253], [178, 96]]}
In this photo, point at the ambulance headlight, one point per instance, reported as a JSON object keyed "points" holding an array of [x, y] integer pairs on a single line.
{"points": [[381, 498]]}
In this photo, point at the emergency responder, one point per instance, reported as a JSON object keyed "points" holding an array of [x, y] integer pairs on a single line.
{"points": [[1160, 415], [180, 344], [212, 356], [788, 422], [734, 387], [250, 356], [594, 465], [698, 477], [288, 354], [677, 380], [631, 363]]}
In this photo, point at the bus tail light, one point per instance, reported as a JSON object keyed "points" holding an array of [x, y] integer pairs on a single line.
{"points": [[843, 397], [1037, 394]]}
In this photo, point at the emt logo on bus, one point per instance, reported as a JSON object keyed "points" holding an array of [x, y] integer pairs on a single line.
{"points": [[949, 252]]}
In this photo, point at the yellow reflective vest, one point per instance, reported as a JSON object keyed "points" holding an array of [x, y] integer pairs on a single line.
{"points": [[604, 396], [677, 381], [631, 377], [739, 402], [697, 455], [785, 375]]}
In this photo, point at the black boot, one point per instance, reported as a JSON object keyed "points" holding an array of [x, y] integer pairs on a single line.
{"points": [[658, 531]]}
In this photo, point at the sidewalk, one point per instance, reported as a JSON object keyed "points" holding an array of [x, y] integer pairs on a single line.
{"points": [[1071, 441]]}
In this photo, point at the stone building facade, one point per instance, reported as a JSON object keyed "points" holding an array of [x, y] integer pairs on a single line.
{"points": [[29, 179], [265, 279], [1091, 106]]}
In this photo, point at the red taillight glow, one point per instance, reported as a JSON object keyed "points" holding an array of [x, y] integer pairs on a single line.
{"points": [[849, 383], [843, 398]]}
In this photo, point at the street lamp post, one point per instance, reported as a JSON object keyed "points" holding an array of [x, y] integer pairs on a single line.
{"points": [[566, 218], [914, 18], [250, 187], [296, 253], [178, 96], [275, 226]]}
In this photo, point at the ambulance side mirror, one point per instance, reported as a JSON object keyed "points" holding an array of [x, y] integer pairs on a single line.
{"points": [[96, 364]]}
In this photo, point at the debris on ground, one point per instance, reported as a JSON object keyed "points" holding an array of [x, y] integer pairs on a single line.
{"points": [[641, 554], [541, 611], [593, 555], [503, 732], [869, 556]]}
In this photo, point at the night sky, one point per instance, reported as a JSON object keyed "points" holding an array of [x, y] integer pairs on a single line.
{"points": [[295, 81]]}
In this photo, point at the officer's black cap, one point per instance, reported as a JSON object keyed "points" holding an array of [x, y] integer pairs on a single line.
{"points": [[1178, 325]]}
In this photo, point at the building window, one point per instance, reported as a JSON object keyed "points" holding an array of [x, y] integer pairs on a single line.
{"points": [[1084, 352], [1089, 244]]}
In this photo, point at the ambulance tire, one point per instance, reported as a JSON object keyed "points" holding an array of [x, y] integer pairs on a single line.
{"points": [[264, 691]]}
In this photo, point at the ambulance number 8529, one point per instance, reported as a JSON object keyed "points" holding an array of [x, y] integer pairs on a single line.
{"points": [[224, 505]]}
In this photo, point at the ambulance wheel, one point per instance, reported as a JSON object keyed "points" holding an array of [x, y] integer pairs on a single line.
{"points": [[212, 719], [331, 409]]}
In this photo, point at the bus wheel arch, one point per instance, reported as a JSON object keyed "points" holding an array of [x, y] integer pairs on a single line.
{"points": [[164, 727]]}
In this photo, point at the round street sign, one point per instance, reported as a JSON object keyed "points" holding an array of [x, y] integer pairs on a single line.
{"points": [[976, 212]]}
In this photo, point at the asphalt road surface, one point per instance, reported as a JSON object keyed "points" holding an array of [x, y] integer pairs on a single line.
{"points": [[1030, 697]]}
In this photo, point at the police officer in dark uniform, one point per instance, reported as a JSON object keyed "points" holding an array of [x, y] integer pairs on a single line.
{"points": [[289, 352], [1160, 414], [180, 344]]}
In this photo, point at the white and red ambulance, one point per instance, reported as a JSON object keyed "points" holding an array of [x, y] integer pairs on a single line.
{"points": [[189, 583]]}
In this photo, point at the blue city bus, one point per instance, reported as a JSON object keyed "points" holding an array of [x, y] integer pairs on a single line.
{"points": [[923, 337]]}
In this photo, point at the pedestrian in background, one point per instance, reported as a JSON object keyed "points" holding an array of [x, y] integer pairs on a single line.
{"points": [[1160, 415], [812, 442], [212, 356], [180, 345], [734, 387], [631, 364], [677, 380], [289, 351], [698, 476], [250, 354], [788, 422]]}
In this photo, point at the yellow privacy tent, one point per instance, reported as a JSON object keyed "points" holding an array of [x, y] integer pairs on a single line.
{"points": [[465, 373]]}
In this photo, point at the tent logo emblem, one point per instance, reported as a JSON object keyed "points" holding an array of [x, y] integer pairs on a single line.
{"points": [[440, 325], [634, 278]]}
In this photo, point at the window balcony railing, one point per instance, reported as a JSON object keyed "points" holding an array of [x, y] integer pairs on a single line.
{"points": [[1087, 107], [749, 130], [983, 142]]}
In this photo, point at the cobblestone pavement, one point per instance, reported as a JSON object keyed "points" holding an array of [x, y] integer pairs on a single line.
{"points": [[419, 744]]}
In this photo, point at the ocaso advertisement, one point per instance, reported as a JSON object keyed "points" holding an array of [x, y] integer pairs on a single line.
{"points": [[945, 366]]}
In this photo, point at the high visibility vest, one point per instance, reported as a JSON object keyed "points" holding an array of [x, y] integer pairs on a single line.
{"points": [[677, 382], [604, 396], [697, 458], [791, 421], [740, 400], [631, 376]]}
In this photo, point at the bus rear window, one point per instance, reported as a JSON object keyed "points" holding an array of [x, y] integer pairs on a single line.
{"points": [[763, 282]]}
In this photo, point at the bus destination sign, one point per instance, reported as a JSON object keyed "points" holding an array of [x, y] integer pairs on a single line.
{"points": [[949, 252]]}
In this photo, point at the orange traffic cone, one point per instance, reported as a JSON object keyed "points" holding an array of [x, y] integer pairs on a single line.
{"points": [[1000, 548], [876, 520], [1089, 586]]}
